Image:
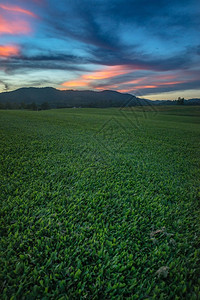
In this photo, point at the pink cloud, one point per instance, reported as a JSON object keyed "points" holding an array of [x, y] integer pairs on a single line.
{"points": [[17, 9], [15, 26]]}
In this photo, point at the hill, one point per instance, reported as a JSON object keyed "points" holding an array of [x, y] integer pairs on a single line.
{"points": [[36, 97], [69, 98]]}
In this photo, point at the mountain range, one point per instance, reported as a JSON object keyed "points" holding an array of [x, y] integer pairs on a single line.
{"points": [[73, 98]]}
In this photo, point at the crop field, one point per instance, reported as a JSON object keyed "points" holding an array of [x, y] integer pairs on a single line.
{"points": [[100, 203]]}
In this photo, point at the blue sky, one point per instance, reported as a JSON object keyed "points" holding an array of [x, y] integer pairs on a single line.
{"points": [[147, 48]]}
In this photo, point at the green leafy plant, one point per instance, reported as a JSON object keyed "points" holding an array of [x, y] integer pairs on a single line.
{"points": [[85, 215]]}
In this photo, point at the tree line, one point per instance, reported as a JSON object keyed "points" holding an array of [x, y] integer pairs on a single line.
{"points": [[22, 105], [45, 105]]}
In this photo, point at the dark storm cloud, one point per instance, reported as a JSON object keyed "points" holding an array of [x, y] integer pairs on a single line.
{"points": [[44, 62], [142, 61], [160, 17], [79, 20], [96, 23]]}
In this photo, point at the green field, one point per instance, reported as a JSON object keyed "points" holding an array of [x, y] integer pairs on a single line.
{"points": [[100, 203]]}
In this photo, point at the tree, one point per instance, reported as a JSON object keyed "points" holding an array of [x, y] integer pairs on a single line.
{"points": [[180, 101], [33, 106], [44, 106], [2, 106], [8, 105], [22, 105]]}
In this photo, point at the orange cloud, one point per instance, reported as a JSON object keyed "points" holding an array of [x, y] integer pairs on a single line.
{"points": [[135, 81], [17, 9], [14, 26], [125, 86], [108, 72], [148, 83], [170, 83], [97, 80], [75, 83], [87, 79], [145, 86], [124, 90], [8, 50]]}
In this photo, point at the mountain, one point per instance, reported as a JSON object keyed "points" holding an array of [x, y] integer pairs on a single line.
{"points": [[25, 97], [70, 98]]}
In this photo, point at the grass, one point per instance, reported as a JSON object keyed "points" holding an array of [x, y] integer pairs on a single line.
{"points": [[100, 203]]}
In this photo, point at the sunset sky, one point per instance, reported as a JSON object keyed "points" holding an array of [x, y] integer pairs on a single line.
{"points": [[147, 48]]}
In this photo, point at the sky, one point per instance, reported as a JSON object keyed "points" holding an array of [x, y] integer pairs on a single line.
{"points": [[148, 48]]}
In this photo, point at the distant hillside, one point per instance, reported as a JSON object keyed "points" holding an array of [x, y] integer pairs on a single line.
{"points": [[37, 97], [194, 101], [69, 98]]}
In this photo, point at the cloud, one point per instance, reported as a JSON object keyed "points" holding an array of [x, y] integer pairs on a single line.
{"points": [[9, 50], [165, 87], [124, 78], [13, 20], [104, 23], [23, 63], [14, 27], [17, 9], [81, 21], [6, 87], [89, 79], [140, 61]]}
